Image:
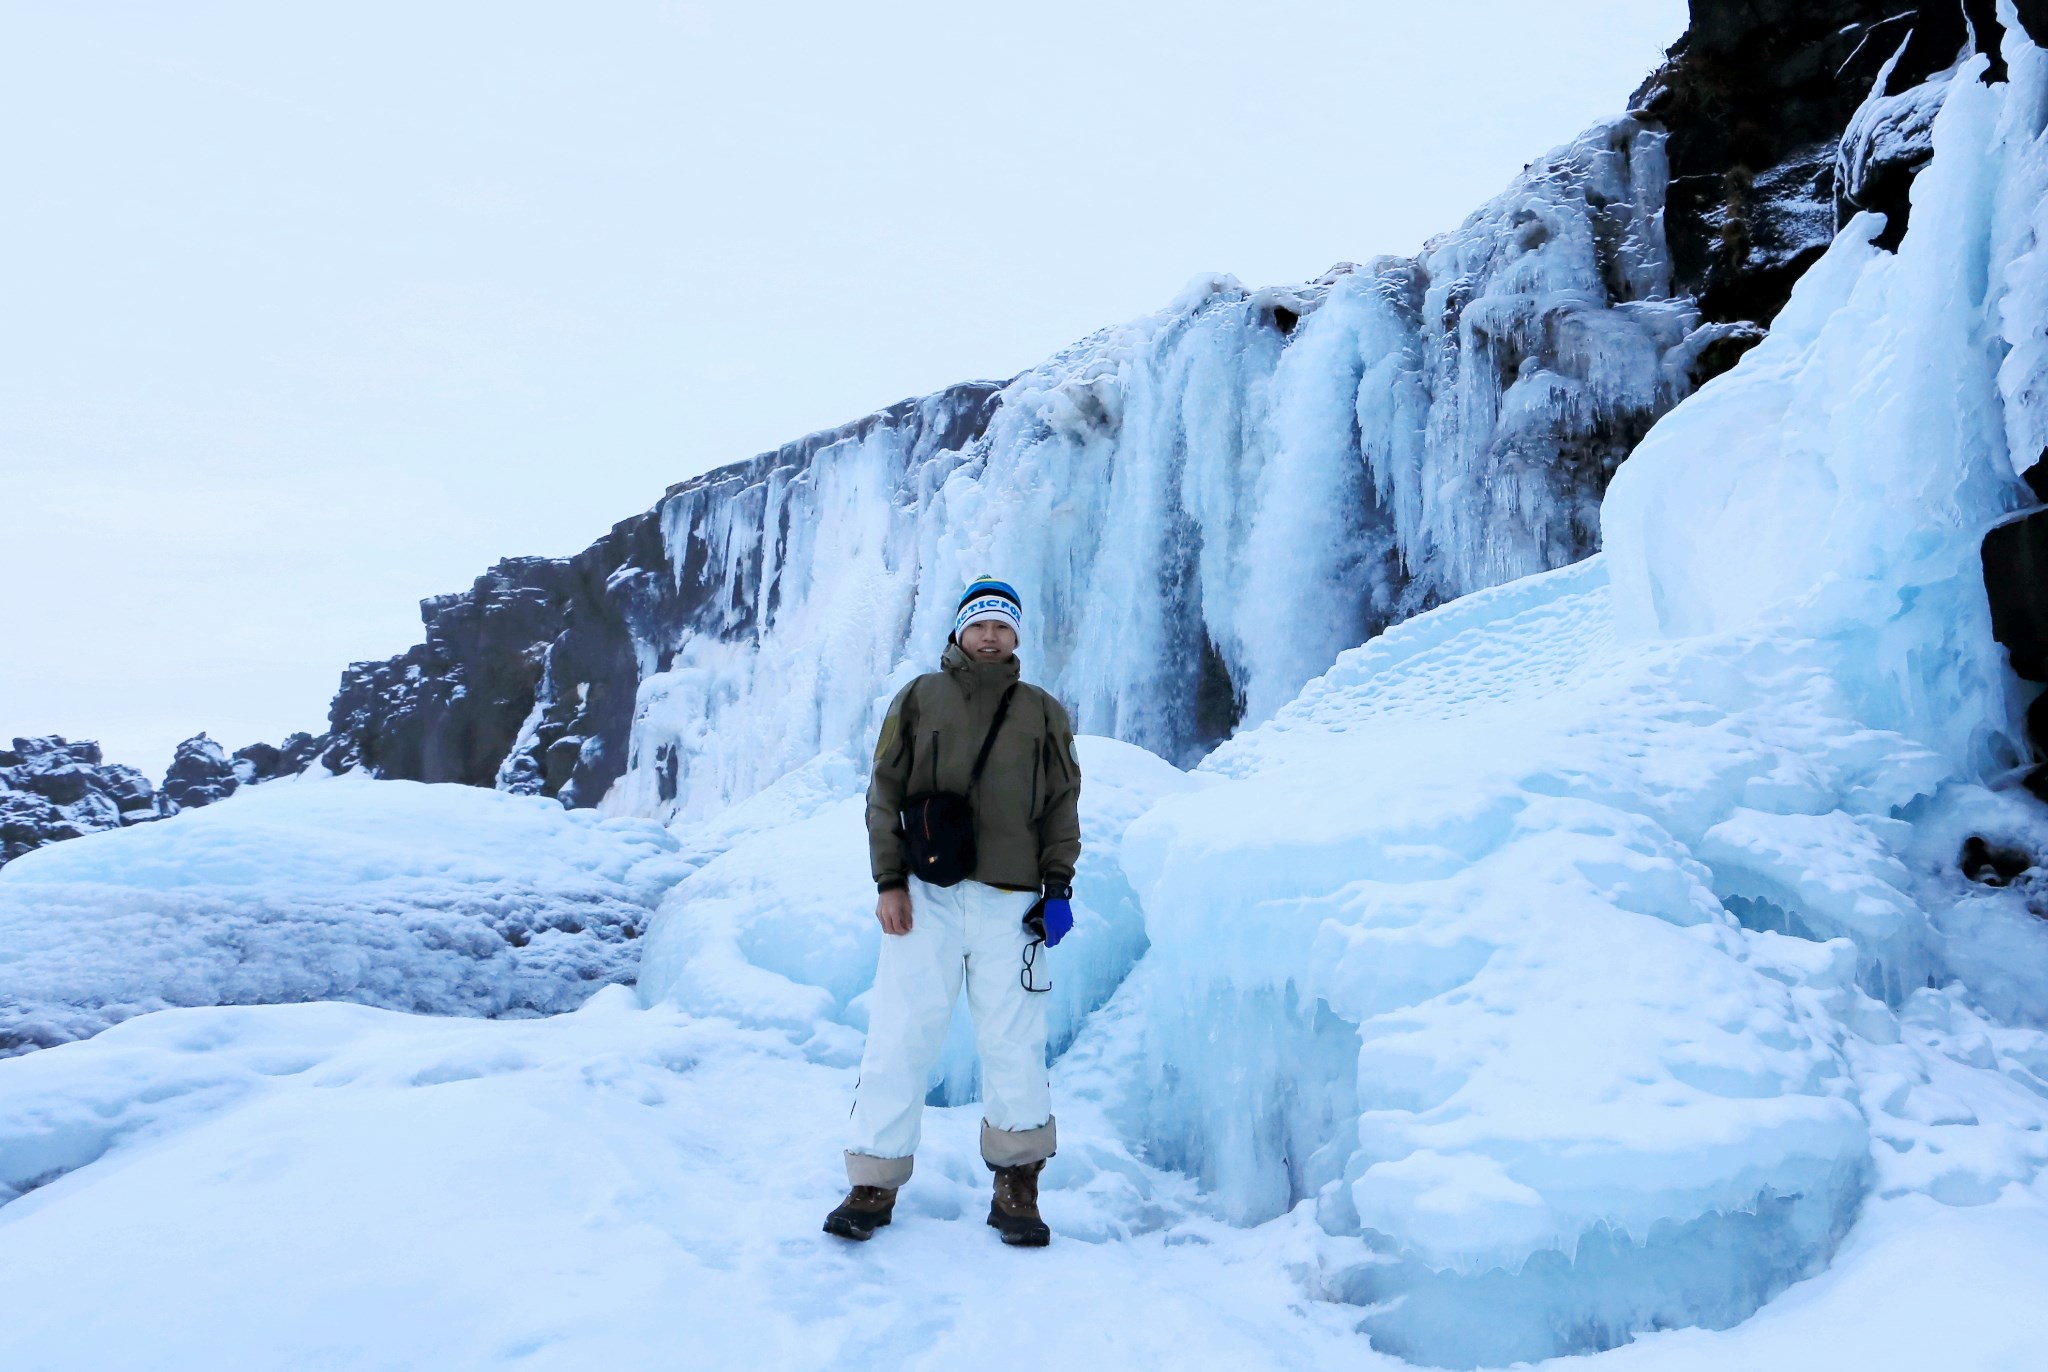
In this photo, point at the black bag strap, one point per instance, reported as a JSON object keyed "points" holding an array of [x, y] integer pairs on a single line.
{"points": [[989, 743]]}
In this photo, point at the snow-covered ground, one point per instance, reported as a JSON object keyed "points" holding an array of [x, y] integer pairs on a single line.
{"points": [[1579, 971], [336, 1186]]}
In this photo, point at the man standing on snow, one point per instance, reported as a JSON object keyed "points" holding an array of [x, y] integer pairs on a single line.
{"points": [[973, 831]]}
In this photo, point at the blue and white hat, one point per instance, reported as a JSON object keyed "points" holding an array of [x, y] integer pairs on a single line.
{"points": [[988, 598]]}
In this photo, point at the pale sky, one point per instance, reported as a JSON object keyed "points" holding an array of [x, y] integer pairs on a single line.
{"points": [[310, 311]]}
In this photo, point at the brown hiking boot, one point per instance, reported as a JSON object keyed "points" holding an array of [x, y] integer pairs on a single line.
{"points": [[1014, 1210], [865, 1209]]}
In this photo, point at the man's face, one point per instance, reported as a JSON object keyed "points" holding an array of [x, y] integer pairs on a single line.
{"points": [[990, 640]]}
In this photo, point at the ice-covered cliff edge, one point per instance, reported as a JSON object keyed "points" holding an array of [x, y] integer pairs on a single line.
{"points": [[1202, 509], [1204, 506]]}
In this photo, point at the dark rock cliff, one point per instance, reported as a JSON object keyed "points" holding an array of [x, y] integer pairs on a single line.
{"points": [[52, 788], [449, 708], [1756, 97]]}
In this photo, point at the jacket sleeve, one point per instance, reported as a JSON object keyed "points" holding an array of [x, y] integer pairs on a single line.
{"points": [[1059, 830], [886, 859]]}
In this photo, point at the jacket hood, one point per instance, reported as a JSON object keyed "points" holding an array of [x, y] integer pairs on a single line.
{"points": [[972, 674]]}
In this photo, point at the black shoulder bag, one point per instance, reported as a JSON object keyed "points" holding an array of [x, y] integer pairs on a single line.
{"points": [[938, 826]]}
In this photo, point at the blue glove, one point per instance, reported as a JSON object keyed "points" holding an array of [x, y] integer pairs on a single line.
{"points": [[1059, 920], [1052, 919]]}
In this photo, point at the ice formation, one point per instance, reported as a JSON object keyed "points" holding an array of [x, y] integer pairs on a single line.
{"points": [[1888, 139], [1625, 970], [442, 899]]}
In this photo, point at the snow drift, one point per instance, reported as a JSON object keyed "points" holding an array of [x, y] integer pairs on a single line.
{"points": [[439, 899]]}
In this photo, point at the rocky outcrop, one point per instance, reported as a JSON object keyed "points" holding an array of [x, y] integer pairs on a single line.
{"points": [[51, 789], [450, 708], [2015, 556], [200, 774], [261, 762], [1757, 97]]}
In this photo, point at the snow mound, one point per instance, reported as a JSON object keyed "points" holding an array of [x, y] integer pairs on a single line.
{"points": [[779, 930], [441, 899]]}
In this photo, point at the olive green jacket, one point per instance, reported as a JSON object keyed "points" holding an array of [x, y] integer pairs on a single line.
{"points": [[1027, 807]]}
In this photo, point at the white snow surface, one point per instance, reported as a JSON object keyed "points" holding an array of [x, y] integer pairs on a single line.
{"points": [[1578, 970], [337, 1186]]}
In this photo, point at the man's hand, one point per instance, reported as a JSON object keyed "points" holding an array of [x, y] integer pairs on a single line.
{"points": [[893, 910]]}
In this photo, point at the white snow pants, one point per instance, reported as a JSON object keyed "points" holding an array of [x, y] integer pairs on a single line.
{"points": [[971, 932]]}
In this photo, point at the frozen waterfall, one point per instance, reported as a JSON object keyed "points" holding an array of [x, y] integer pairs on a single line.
{"points": [[1202, 508]]}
